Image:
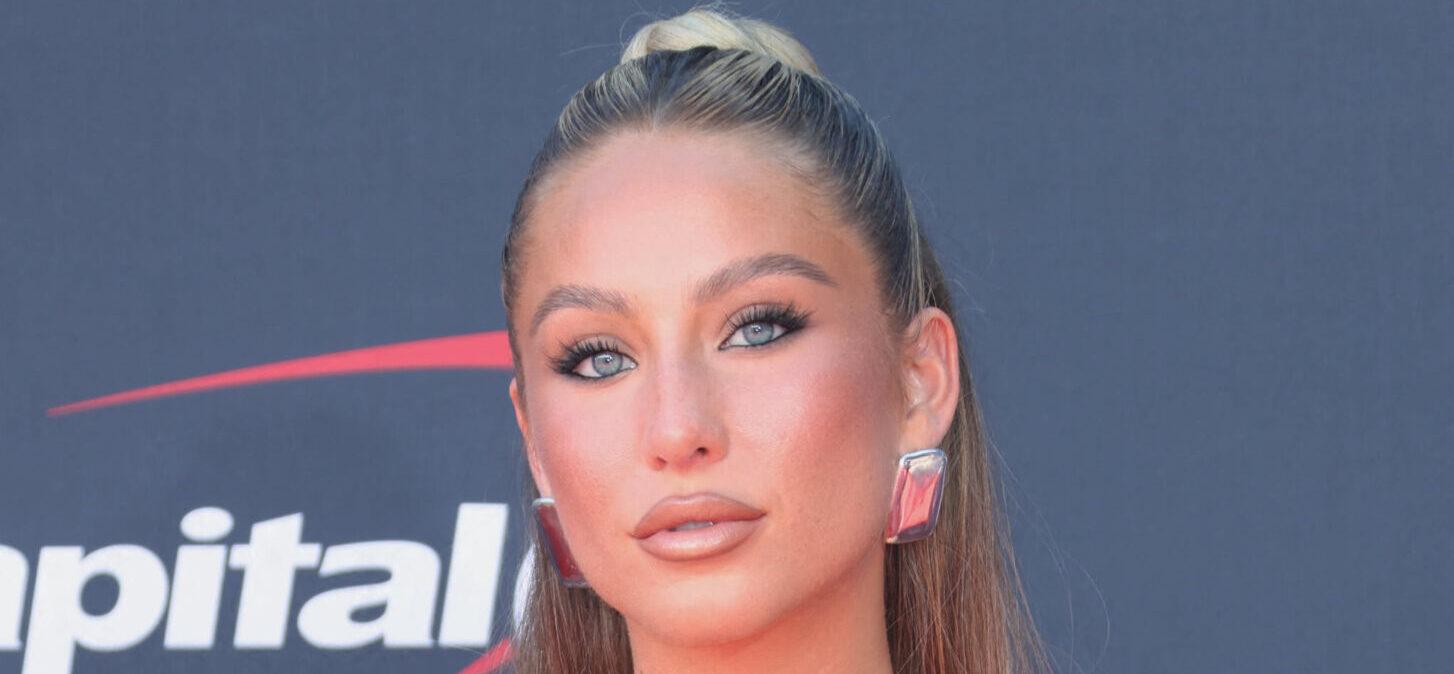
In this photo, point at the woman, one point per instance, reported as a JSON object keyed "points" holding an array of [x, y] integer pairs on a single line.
{"points": [[748, 420]]}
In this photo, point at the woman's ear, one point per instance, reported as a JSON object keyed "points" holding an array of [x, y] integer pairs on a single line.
{"points": [[530, 454], [930, 369]]}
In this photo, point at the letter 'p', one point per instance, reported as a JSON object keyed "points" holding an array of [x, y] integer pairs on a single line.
{"points": [[59, 622]]}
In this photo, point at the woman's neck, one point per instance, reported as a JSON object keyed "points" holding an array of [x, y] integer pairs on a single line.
{"points": [[841, 630]]}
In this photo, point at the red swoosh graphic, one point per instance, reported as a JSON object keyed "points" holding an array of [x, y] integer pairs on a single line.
{"points": [[472, 351], [491, 660]]}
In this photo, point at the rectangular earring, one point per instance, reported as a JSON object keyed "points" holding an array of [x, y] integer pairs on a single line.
{"points": [[918, 489], [565, 564]]}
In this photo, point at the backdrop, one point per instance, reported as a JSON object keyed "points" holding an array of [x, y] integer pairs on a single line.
{"points": [[253, 408]]}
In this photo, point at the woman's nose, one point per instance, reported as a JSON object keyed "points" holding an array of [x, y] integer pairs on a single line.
{"points": [[684, 426]]}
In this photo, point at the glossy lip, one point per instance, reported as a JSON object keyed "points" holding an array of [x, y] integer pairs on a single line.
{"points": [[733, 522], [699, 507]]}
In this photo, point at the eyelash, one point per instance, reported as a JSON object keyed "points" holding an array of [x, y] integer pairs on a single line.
{"points": [[789, 317]]}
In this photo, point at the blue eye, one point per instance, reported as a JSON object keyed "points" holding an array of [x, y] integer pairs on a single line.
{"points": [[592, 356], [759, 333], [765, 324]]}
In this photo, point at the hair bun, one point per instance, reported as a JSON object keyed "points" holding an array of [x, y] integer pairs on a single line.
{"points": [[702, 26]]}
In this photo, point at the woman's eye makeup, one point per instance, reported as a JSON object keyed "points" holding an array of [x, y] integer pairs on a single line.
{"points": [[757, 326], [765, 323], [592, 355]]}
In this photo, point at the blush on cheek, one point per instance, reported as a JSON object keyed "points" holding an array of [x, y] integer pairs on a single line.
{"points": [[831, 422], [587, 468], [581, 470], [850, 397]]}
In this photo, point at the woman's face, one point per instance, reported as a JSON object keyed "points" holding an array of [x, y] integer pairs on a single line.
{"points": [[656, 374]]}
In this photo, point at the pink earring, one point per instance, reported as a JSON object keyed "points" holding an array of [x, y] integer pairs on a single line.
{"points": [[914, 509], [565, 564]]}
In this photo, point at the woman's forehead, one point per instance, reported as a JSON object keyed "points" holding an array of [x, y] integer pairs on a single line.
{"points": [[634, 175], [644, 202]]}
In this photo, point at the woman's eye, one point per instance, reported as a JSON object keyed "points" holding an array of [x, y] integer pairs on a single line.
{"points": [[764, 324], [603, 364], [600, 359], [757, 333]]}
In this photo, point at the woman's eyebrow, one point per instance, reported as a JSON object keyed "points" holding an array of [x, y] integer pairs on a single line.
{"points": [[730, 276]]}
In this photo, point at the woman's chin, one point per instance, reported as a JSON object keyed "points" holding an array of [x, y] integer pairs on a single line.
{"points": [[702, 611]]}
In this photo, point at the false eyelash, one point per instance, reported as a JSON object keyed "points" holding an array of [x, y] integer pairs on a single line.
{"points": [[787, 316], [575, 353]]}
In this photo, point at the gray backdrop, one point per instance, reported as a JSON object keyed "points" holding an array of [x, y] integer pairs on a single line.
{"points": [[1204, 251]]}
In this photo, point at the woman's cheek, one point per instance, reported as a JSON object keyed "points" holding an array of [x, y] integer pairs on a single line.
{"points": [[578, 460], [826, 413], [819, 432], [577, 431]]}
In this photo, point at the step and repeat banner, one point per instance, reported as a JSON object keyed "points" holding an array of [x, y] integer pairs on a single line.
{"points": [[253, 380]]}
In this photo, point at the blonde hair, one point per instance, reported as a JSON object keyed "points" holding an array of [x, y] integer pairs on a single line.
{"points": [[953, 601]]}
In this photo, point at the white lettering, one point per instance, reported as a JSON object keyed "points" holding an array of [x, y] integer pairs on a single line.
{"points": [[523, 578], [474, 574], [14, 573], [269, 559], [58, 622], [197, 581], [408, 595], [191, 600]]}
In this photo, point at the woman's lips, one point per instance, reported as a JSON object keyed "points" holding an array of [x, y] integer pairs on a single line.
{"points": [[732, 523], [680, 546]]}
